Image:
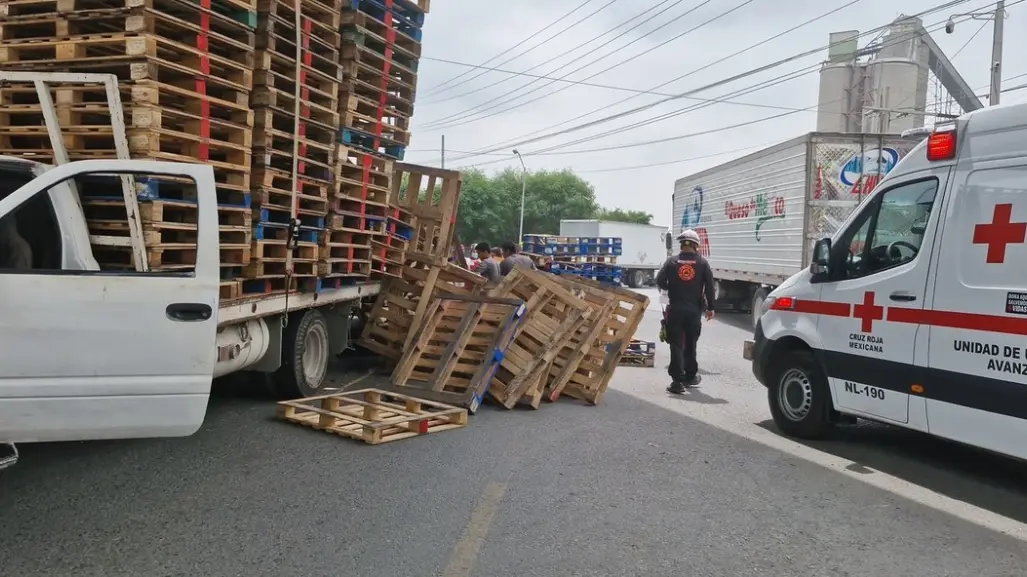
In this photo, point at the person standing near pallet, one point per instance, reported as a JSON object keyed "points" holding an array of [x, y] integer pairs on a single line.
{"points": [[687, 278]]}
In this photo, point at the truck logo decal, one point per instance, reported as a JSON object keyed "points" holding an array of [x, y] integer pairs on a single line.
{"points": [[693, 209], [760, 206], [864, 170]]}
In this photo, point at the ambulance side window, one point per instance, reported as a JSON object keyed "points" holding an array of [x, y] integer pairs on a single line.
{"points": [[890, 231]]}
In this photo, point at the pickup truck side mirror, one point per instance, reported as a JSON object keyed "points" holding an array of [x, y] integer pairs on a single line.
{"points": [[668, 241], [820, 264]]}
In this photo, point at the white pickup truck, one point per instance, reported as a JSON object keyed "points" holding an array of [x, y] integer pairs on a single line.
{"points": [[91, 354]]}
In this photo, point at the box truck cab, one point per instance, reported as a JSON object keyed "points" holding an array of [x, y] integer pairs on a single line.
{"points": [[914, 313]]}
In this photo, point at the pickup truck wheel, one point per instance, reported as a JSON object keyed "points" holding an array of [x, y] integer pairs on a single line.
{"points": [[799, 396], [758, 298], [304, 356]]}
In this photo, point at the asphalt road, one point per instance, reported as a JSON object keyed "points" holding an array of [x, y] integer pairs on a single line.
{"points": [[644, 484]]}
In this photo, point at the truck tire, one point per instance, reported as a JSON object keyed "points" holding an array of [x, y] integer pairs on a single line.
{"points": [[799, 396], [636, 279], [758, 299], [304, 356]]}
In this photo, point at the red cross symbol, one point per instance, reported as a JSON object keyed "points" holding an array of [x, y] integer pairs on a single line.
{"points": [[1000, 232], [868, 312]]}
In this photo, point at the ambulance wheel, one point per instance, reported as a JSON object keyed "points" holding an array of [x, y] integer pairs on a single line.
{"points": [[758, 298], [800, 400], [304, 356]]}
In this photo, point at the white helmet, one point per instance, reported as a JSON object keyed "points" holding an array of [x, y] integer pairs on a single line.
{"points": [[689, 235]]}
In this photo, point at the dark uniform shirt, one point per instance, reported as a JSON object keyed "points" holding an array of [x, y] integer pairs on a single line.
{"points": [[686, 278]]}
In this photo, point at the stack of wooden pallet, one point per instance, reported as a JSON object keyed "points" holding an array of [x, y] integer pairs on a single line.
{"points": [[186, 71], [301, 106]]}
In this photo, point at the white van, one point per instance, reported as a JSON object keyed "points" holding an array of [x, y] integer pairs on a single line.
{"points": [[915, 312]]}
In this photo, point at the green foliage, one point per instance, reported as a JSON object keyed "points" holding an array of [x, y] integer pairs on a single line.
{"points": [[490, 205], [621, 215]]}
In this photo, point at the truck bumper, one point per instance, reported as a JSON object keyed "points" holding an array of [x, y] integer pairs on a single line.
{"points": [[757, 350]]}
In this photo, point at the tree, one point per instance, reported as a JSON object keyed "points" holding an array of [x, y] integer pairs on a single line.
{"points": [[490, 206], [621, 215]]}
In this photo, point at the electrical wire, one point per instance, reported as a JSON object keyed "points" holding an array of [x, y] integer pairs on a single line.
{"points": [[718, 61], [436, 89], [559, 56], [758, 86], [737, 150], [707, 87], [625, 61], [442, 122]]}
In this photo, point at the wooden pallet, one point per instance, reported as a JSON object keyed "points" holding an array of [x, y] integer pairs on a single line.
{"points": [[592, 377], [403, 300], [365, 63], [372, 117], [554, 315], [373, 416], [434, 215], [457, 349], [362, 175], [404, 41]]}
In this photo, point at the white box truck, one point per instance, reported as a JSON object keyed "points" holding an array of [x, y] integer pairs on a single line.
{"points": [[759, 216], [644, 246]]}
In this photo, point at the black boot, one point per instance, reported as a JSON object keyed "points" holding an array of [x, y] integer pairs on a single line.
{"points": [[677, 388], [692, 381]]}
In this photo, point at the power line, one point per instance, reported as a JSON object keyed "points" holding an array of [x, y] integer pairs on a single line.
{"points": [[442, 121], [701, 89], [718, 61], [540, 44], [679, 160], [754, 88], [607, 69], [747, 148], [430, 89], [557, 57]]}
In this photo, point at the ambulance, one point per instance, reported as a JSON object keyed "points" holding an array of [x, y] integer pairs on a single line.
{"points": [[914, 313]]}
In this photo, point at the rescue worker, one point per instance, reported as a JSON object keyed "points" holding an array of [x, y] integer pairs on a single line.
{"points": [[687, 278]]}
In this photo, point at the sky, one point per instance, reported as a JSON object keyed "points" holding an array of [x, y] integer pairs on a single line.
{"points": [[492, 111]]}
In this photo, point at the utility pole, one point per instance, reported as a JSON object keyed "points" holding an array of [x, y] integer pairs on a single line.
{"points": [[443, 151], [996, 54], [995, 66], [524, 190]]}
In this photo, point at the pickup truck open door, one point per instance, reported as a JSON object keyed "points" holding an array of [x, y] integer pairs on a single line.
{"points": [[86, 354]]}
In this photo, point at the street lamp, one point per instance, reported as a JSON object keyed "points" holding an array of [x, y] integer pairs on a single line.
{"points": [[998, 15], [524, 189]]}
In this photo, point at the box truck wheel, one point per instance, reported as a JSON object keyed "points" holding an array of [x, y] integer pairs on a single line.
{"points": [[636, 279], [304, 356], [800, 400], [758, 298]]}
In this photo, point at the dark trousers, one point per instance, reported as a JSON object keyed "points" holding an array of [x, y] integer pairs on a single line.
{"points": [[683, 328]]}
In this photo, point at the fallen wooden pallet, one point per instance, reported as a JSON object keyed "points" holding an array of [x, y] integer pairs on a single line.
{"points": [[370, 415], [458, 348], [402, 301], [639, 354], [592, 376], [554, 315]]}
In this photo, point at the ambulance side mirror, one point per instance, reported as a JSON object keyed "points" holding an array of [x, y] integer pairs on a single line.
{"points": [[819, 266]]}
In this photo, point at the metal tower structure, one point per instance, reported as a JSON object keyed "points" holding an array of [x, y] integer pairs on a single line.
{"points": [[883, 87]]}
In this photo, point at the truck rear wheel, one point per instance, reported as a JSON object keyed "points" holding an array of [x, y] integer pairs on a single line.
{"points": [[636, 279], [799, 396], [304, 356], [758, 298]]}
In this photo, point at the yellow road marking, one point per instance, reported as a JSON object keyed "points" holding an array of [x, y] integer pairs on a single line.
{"points": [[466, 549]]}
